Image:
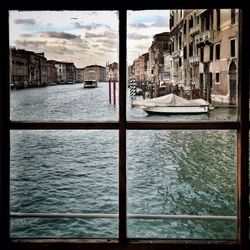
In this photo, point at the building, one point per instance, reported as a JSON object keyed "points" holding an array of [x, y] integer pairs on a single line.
{"points": [[61, 72], [79, 75], [156, 56], [19, 71], [51, 72], [176, 50], [95, 72], [28, 68], [210, 53], [112, 71], [70, 72]]}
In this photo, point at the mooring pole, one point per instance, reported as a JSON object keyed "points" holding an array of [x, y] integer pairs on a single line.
{"points": [[110, 91], [114, 93]]}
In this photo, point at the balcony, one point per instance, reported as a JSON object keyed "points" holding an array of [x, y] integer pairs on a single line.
{"points": [[194, 60], [194, 30], [176, 53], [205, 37]]}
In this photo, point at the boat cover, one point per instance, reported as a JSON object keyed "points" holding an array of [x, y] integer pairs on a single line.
{"points": [[170, 100]]}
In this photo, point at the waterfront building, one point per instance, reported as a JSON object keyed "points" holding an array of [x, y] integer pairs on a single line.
{"points": [[19, 71], [29, 68], [176, 38], [70, 72], [51, 72], [79, 75], [131, 71], [61, 72], [210, 53], [156, 59], [144, 58], [95, 72], [191, 56], [112, 71], [166, 76]]}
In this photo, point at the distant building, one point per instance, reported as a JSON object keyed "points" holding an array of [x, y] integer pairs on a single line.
{"points": [[19, 70], [70, 72], [61, 72], [51, 72], [28, 68], [112, 71], [79, 75], [95, 72], [159, 45]]}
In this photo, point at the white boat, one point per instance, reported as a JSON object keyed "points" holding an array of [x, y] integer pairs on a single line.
{"points": [[172, 104], [90, 84]]}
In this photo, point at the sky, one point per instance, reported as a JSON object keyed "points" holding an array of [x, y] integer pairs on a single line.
{"points": [[142, 26], [84, 37]]}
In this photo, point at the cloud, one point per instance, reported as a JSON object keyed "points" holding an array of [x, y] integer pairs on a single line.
{"points": [[107, 34], [94, 35], [160, 22], [27, 35], [138, 25], [136, 36], [91, 26], [60, 35], [107, 42], [28, 21], [30, 45]]}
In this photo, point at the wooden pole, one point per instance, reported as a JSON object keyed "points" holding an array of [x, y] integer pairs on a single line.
{"points": [[114, 93], [110, 91]]}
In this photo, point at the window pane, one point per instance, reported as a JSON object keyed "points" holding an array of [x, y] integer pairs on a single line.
{"points": [[64, 172], [61, 62], [168, 52], [188, 173]]}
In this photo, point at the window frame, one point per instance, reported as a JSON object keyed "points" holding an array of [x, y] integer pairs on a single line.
{"points": [[241, 126]]}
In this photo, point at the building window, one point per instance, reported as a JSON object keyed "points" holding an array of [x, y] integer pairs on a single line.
{"points": [[180, 62], [217, 77], [185, 52], [202, 54], [218, 19], [129, 135], [217, 51], [232, 16], [211, 54], [191, 49], [232, 48], [180, 39]]}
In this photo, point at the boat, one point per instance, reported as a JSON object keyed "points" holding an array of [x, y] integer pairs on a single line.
{"points": [[172, 104], [90, 84]]}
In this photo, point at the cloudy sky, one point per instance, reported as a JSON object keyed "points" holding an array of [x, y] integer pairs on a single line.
{"points": [[142, 26], [84, 37]]}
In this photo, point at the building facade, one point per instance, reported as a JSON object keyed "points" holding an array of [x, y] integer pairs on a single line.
{"points": [[112, 71], [176, 37], [156, 56], [95, 72]]}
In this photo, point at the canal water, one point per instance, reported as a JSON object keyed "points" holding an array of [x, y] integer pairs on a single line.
{"points": [[169, 172]]}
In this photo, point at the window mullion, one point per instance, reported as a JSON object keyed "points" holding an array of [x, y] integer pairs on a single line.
{"points": [[4, 131], [242, 136], [122, 127]]}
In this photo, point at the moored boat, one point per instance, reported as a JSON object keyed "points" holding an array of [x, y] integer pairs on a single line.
{"points": [[90, 84], [173, 104]]}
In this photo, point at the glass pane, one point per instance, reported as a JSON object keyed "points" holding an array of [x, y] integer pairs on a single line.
{"points": [[64, 172], [181, 173], [61, 63], [188, 59]]}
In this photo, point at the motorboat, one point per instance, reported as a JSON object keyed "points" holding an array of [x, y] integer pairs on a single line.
{"points": [[173, 104], [90, 84]]}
